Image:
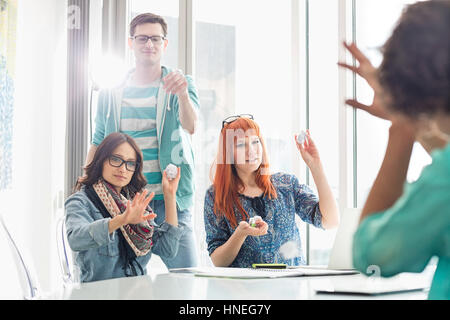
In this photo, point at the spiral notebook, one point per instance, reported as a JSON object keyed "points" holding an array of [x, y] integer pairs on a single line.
{"points": [[250, 273]]}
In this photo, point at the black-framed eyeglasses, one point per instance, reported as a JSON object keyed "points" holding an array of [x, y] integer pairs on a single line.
{"points": [[143, 39], [234, 118], [117, 162], [259, 206]]}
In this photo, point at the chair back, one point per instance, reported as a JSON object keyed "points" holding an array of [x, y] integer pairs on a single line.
{"points": [[65, 254], [27, 279]]}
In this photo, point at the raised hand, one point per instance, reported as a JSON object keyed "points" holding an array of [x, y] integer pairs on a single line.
{"points": [[309, 151], [176, 83], [134, 214], [170, 186], [369, 73]]}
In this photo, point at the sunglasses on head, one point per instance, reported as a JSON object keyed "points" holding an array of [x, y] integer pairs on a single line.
{"points": [[234, 118]]}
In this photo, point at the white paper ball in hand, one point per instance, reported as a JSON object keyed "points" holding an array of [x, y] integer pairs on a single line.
{"points": [[171, 171], [252, 221], [301, 137]]}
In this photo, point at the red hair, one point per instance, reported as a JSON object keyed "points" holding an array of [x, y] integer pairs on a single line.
{"points": [[226, 181]]}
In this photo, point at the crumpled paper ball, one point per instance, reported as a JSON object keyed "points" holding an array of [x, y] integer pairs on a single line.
{"points": [[171, 171], [301, 137], [252, 221]]}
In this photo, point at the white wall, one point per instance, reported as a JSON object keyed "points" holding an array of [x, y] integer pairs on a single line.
{"points": [[30, 208]]}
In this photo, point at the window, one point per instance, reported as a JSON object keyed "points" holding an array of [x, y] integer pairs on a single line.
{"points": [[242, 66], [369, 23], [37, 131], [322, 107], [375, 21]]}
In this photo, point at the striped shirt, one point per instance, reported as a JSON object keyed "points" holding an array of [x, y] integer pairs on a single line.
{"points": [[138, 120]]}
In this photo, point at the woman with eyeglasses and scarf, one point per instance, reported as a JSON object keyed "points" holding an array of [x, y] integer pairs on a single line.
{"points": [[109, 221], [243, 187]]}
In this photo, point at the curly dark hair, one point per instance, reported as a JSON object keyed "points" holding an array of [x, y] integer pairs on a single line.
{"points": [[94, 170], [415, 70]]}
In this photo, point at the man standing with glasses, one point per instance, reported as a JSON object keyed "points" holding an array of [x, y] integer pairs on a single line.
{"points": [[158, 108]]}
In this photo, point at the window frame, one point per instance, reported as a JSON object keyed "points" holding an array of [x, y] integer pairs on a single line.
{"points": [[347, 196]]}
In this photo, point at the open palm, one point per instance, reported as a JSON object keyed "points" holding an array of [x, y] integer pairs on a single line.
{"points": [[369, 73], [135, 212], [259, 230]]}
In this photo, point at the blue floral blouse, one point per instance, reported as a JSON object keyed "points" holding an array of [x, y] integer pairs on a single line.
{"points": [[292, 198]]}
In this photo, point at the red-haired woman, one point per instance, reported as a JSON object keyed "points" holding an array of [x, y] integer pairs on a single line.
{"points": [[244, 188]]}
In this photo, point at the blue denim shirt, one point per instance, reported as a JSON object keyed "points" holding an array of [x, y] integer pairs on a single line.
{"points": [[96, 252]]}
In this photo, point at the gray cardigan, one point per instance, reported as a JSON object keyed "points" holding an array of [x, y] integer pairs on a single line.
{"points": [[96, 252]]}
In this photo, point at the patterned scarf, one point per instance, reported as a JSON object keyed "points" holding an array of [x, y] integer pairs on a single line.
{"points": [[138, 236]]}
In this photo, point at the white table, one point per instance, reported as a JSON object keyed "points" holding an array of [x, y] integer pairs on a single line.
{"points": [[160, 285]]}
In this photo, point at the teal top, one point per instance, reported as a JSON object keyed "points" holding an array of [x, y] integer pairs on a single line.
{"points": [[406, 236]]}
